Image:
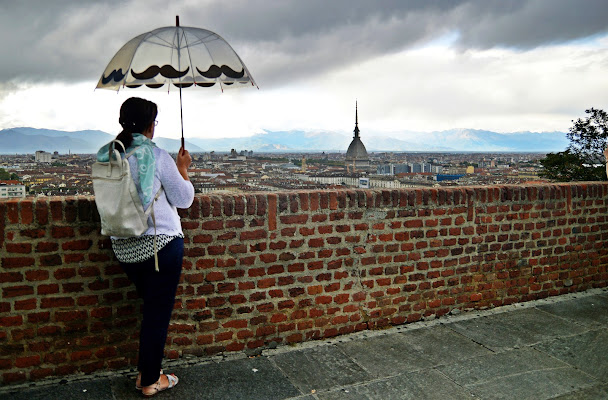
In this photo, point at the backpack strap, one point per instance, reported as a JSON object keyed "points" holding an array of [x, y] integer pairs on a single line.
{"points": [[131, 152], [151, 208], [111, 148], [124, 150]]}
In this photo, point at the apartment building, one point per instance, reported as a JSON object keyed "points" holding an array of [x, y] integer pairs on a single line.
{"points": [[11, 189]]}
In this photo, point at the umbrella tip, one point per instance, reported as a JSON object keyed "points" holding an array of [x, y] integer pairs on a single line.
{"points": [[177, 20]]}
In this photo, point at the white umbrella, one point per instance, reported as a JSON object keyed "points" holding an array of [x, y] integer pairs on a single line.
{"points": [[179, 56]]}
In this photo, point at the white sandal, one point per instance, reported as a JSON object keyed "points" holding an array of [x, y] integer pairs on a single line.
{"points": [[138, 385], [155, 388]]}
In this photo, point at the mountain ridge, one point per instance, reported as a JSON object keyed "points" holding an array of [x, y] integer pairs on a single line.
{"points": [[21, 141]]}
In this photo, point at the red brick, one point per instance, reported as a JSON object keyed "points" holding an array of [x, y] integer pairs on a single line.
{"points": [[29, 304], [25, 362], [6, 364], [33, 233], [6, 277], [17, 262], [106, 352], [39, 347], [226, 263], [12, 208], [55, 358], [37, 275], [212, 225], [27, 212], [253, 235], [47, 289], [268, 258], [16, 320], [189, 225], [276, 269], [22, 248], [60, 232], [15, 291], [12, 377], [272, 210], [266, 283], [237, 299], [36, 318], [50, 260], [235, 346], [316, 242], [55, 302], [216, 250], [294, 219], [266, 330], [215, 276], [64, 273], [77, 245], [81, 355]]}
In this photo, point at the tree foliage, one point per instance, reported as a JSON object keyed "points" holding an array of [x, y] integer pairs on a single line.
{"points": [[588, 137], [584, 159], [566, 166], [7, 176]]}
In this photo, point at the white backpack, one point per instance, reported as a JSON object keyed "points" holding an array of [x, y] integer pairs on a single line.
{"points": [[120, 209]]}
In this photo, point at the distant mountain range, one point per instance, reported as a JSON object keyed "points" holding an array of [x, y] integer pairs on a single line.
{"points": [[29, 140]]}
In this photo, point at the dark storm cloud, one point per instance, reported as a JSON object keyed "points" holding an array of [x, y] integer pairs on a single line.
{"points": [[527, 24], [72, 40]]}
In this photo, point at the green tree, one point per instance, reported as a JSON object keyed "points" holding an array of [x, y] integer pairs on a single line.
{"points": [[588, 136], [584, 159], [566, 166], [8, 176]]}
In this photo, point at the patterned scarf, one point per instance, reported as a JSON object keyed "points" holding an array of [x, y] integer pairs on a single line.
{"points": [[145, 160]]}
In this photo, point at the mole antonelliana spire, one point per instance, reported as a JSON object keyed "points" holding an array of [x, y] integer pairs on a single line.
{"points": [[356, 155], [356, 119]]}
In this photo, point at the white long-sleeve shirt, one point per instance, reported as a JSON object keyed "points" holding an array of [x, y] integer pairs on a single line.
{"points": [[177, 193]]}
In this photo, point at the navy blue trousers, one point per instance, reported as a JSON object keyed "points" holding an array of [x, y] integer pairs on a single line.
{"points": [[158, 292]]}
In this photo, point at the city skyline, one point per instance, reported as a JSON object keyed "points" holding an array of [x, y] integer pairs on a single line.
{"points": [[432, 66]]}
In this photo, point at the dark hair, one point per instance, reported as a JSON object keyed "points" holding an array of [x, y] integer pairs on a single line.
{"points": [[136, 115]]}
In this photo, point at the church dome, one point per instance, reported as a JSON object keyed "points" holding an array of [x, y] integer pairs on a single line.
{"points": [[356, 155], [356, 150]]}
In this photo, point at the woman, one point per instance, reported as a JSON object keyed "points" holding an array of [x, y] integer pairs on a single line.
{"points": [[151, 168]]}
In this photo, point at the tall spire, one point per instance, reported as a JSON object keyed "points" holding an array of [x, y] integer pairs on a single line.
{"points": [[356, 120]]}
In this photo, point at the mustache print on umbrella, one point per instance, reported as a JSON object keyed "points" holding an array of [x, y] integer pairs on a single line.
{"points": [[117, 75], [166, 70], [214, 72], [169, 72]]}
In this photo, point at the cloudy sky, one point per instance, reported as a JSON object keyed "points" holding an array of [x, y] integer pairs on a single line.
{"points": [[501, 65]]}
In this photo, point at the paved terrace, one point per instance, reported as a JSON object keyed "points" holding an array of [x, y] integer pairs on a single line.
{"points": [[545, 349]]}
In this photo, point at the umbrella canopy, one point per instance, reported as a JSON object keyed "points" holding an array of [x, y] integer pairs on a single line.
{"points": [[178, 56], [182, 56]]}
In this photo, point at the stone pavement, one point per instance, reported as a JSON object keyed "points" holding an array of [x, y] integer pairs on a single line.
{"points": [[548, 349]]}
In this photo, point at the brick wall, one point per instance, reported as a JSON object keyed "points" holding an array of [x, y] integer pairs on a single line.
{"points": [[290, 267]]}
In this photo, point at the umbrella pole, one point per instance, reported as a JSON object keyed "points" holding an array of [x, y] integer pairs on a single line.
{"points": [[181, 115]]}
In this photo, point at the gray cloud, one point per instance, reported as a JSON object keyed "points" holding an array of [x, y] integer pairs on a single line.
{"points": [[72, 40], [528, 24]]}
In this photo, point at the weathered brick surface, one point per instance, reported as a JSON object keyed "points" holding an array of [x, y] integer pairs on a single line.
{"points": [[290, 267]]}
